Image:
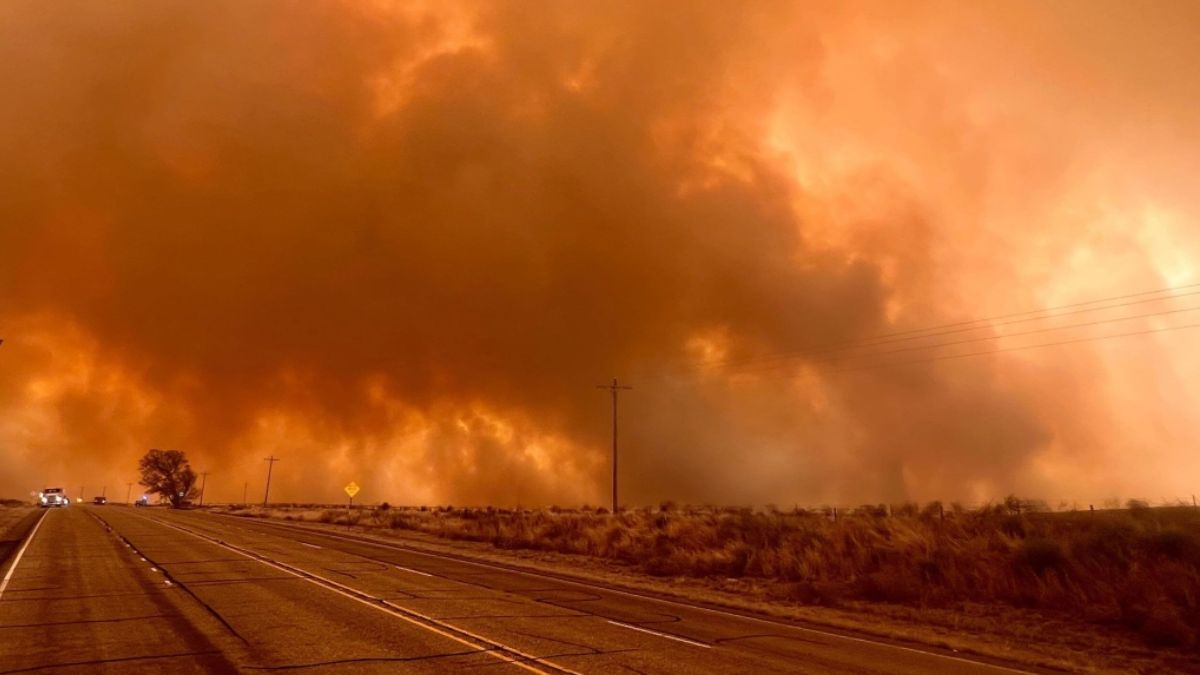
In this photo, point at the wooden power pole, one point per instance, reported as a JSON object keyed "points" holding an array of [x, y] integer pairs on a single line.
{"points": [[615, 387], [270, 464], [203, 483]]}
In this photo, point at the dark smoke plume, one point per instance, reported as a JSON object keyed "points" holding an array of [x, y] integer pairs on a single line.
{"points": [[400, 246]]}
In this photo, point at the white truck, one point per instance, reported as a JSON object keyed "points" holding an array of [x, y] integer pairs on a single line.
{"points": [[53, 497]]}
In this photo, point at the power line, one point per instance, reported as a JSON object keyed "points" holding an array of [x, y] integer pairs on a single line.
{"points": [[1004, 323], [1085, 324], [1012, 335], [983, 339], [948, 357], [1168, 289], [950, 328]]}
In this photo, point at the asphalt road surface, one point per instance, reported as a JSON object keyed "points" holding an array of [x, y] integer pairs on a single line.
{"points": [[121, 590]]}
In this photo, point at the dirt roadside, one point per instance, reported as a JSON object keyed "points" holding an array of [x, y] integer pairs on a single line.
{"points": [[15, 523]]}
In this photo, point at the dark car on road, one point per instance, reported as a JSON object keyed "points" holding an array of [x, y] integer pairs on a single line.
{"points": [[100, 501]]}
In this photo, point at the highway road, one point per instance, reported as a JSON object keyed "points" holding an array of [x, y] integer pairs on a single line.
{"points": [[123, 590]]}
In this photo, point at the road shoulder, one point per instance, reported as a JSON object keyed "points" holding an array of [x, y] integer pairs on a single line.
{"points": [[15, 525]]}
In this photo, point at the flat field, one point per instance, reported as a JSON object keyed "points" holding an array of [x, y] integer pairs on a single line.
{"points": [[1130, 575]]}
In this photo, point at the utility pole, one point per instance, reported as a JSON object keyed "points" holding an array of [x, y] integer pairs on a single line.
{"points": [[615, 387], [203, 482], [270, 465], [128, 491]]}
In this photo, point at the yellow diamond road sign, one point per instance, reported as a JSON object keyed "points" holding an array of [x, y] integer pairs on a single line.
{"points": [[352, 489]]}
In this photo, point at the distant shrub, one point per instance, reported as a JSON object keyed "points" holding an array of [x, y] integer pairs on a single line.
{"points": [[812, 593], [1174, 544], [1162, 626], [351, 518], [1034, 506], [1013, 525], [891, 585], [1109, 542], [872, 510], [932, 510], [1040, 555]]}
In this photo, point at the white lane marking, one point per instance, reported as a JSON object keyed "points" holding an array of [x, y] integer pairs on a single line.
{"points": [[13, 568], [407, 569], [305, 543], [383, 605], [661, 635], [665, 601]]}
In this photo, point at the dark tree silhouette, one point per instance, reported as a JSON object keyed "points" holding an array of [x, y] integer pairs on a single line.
{"points": [[168, 474]]}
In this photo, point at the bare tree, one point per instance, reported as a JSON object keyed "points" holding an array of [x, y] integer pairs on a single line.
{"points": [[168, 474]]}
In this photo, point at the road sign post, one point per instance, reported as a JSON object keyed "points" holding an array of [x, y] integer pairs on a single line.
{"points": [[351, 490]]}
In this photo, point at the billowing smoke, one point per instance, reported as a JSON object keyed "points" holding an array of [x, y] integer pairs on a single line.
{"points": [[401, 244]]}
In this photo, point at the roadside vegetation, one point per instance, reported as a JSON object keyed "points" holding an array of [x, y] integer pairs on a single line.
{"points": [[1137, 567]]}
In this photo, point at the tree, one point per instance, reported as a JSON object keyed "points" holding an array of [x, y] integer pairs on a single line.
{"points": [[168, 474]]}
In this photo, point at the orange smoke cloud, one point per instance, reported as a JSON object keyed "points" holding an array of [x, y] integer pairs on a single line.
{"points": [[400, 244]]}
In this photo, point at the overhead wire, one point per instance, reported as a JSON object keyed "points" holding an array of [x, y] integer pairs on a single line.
{"points": [[949, 329], [947, 357], [988, 320], [1002, 336]]}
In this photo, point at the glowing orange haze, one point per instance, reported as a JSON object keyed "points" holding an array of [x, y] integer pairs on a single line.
{"points": [[400, 244]]}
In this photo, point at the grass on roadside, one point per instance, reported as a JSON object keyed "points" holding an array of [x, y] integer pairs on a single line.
{"points": [[1137, 567]]}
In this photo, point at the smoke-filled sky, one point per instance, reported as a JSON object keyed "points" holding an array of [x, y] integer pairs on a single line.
{"points": [[400, 243]]}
